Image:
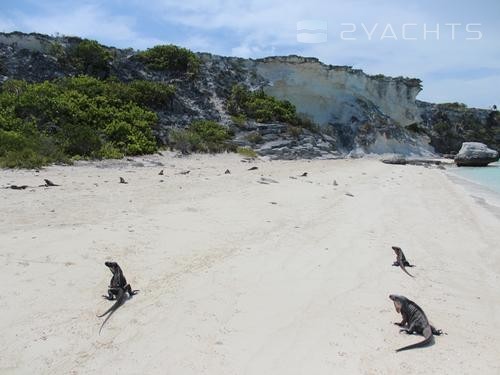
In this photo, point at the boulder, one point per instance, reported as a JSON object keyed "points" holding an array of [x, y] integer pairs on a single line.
{"points": [[475, 154]]}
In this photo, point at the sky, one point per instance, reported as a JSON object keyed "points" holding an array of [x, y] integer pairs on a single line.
{"points": [[452, 46]]}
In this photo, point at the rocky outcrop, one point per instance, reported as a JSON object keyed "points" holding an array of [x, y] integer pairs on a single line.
{"points": [[475, 154], [451, 124], [356, 113], [279, 141]]}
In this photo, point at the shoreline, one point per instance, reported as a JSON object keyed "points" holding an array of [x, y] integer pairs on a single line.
{"points": [[252, 272], [483, 194]]}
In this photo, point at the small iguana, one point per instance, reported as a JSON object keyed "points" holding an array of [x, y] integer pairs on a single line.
{"points": [[118, 288], [401, 260], [414, 320]]}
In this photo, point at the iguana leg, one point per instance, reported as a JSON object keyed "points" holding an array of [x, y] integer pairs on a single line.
{"points": [[408, 330], [403, 323], [110, 296], [436, 332], [129, 290]]}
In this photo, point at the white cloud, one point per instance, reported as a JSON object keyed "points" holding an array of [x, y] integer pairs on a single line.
{"points": [[255, 28], [87, 21]]}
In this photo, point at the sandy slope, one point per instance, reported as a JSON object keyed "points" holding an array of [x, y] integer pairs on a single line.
{"points": [[233, 284]]}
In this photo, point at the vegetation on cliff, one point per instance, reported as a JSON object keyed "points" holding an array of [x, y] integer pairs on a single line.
{"points": [[170, 58], [264, 108], [55, 121], [454, 123], [202, 136], [87, 57]]}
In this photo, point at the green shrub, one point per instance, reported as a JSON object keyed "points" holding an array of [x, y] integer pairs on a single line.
{"points": [[171, 58], [247, 152], [295, 131], [254, 137], [264, 108], [152, 94], [239, 120], [76, 117], [202, 136], [57, 50], [185, 141], [89, 57]]}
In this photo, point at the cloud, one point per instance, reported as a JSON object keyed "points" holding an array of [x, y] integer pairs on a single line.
{"points": [[88, 21], [256, 28]]}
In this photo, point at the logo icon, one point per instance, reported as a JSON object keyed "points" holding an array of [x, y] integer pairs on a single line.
{"points": [[312, 31]]}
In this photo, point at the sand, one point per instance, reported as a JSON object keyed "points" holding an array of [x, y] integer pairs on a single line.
{"points": [[242, 277]]}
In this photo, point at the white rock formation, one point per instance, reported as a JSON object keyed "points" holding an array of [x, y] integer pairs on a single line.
{"points": [[337, 94]]}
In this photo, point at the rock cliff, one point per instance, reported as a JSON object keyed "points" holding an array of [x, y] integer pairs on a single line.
{"points": [[355, 112]]}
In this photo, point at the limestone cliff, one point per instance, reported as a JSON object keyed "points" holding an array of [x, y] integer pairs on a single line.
{"points": [[356, 112]]}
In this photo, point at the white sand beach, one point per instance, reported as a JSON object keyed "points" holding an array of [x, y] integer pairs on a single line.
{"points": [[242, 277]]}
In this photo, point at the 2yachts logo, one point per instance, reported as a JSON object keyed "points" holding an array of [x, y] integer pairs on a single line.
{"points": [[316, 31]]}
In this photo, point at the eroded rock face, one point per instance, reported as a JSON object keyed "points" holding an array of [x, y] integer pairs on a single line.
{"points": [[475, 154], [354, 111], [335, 94]]}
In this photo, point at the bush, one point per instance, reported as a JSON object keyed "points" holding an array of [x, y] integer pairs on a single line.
{"points": [[202, 136], [239, 120], [170, 58], [247, 152], [295, 131], [264, 108], [89, 57], [76, 117], [254, 137], [151, 94]]}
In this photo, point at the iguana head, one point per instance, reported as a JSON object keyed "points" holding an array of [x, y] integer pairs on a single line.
{"points": [[398, 301], [396, 249], [113, 266]]}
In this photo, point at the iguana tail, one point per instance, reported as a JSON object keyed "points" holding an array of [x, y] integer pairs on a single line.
{"points": [[428, 339], [401, 265], [119, 301]]}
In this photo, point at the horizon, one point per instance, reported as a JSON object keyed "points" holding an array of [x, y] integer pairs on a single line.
{"points": [[451, 48]]}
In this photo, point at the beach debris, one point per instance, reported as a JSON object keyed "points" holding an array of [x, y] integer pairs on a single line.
{"points": [[349, 194], [49, 183], [293, 178], [414, 320], [16, 187], [303, 174], [401, 260], [335, 183], [265, 180], [253, 168], [395, 159], [273, 202], [227, 171], [122, 181], [185, 172], [117, 290], [161, 173]]}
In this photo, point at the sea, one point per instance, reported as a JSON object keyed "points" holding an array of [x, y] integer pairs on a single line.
{"points": [[488, 177]]}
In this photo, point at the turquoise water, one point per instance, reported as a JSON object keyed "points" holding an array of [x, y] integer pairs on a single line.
{"points": [[487, 176]]}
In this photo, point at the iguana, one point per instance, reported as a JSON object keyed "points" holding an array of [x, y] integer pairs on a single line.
{"points": [[414, 320], [117, 290], [401, 260]]}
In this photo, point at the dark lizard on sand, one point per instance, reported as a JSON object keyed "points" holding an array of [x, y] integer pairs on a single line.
{"points": [[401, 260], [117, 290], [414, 320], [49, 183]]}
